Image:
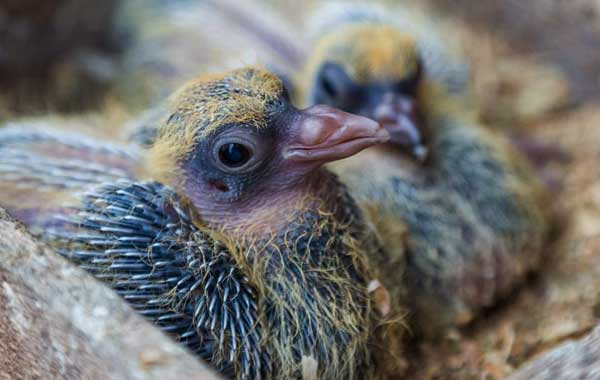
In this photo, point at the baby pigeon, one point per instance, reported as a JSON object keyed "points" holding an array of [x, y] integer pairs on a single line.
{"points": [[451, 200], [229, 234], [368, 64]]}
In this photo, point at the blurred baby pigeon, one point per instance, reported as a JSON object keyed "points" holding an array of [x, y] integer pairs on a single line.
{"points": [[237, 243], [452, 202]]}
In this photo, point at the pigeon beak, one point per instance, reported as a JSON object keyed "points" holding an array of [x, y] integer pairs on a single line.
{"points": [[399, 115], [324, 134]]}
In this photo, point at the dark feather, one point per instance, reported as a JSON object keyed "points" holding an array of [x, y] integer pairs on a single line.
{"points": [[139, 239], [41, 170]]}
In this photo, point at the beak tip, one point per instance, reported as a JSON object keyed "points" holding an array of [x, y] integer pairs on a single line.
{"points": [[382, 134]]}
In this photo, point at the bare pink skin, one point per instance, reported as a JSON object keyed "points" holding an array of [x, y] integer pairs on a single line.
{"points": [[320, 135], [270, 210]]}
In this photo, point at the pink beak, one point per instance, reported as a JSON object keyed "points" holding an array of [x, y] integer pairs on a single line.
{"points": [[399, 115], [325, 134]]}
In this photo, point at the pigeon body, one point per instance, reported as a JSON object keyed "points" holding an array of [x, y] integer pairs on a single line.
{"points": [[461, 215], [227, 233]]}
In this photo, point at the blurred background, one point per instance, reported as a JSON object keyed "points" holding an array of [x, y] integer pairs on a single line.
{"points": [[527, 59], [535, 73]]}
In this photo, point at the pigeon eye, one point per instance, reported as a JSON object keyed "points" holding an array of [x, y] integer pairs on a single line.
{"points": [[333, 82], [334, 87], [329, 87], [234, 155]]}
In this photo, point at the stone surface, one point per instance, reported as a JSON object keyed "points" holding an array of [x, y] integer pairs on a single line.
{"points": [[57, 322], [578, 360]]}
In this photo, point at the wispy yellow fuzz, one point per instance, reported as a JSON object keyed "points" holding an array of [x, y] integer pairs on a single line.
{"points": [[206, 104], [368, 51]]}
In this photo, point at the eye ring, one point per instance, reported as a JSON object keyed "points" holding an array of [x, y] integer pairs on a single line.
{"points": [[234, 154]]}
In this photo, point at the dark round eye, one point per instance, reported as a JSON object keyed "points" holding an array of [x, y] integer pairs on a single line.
{"points": [[334, 87], [329, 87], [234, 155]]}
